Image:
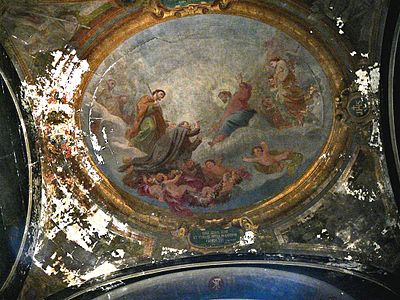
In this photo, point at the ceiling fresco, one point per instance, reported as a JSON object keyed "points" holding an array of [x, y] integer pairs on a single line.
{"points": [[239, 129], [163, 130]]}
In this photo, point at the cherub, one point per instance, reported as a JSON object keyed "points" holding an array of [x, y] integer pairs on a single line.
{"points": [[214, 170], [207, 196], [154, 189], [170, 185], [192, 169], [263, 157], [229, 181]]}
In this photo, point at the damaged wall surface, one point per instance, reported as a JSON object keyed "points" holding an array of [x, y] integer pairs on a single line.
{"points": [[158, 133]]}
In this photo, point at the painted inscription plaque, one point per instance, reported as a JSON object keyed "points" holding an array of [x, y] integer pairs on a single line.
{"points": [[206, 113]]}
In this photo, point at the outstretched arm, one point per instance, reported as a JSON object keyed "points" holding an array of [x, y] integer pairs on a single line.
{"points": [[250, 159], [239, 78], [142, 107], [193, 132], [174, 180]]}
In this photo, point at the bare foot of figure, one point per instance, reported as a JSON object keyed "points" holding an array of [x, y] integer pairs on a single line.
{"points": [[126, 159], [216, 140]]}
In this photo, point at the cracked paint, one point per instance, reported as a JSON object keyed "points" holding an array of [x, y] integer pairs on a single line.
{"points": [[68, 209], [54, 95], [362, 194], [368, 80]]}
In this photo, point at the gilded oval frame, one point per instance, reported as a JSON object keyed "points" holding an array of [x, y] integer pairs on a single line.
{"points": [[310, 182]]}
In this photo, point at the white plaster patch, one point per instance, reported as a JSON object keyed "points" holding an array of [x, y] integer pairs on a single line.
{"points": [[375, 138], [362, 81], [340, 24], [119, 253], [55, 93], [375, 76], [376, 246], [325, 156], [104, 269], [91, 171], [71, 277], [119, 225], [98, 222], [78, 235], [104, 133], [168, 250], [362, 194], [96, 148], [368, 80], [50, 270], [247, 239]]}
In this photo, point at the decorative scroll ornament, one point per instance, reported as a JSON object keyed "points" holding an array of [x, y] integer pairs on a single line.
{"points": [[245, 223], [353, 106], [168, 8]]}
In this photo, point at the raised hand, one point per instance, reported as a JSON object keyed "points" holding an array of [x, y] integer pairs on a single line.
{"points": [[239, 78], [216, 126]]}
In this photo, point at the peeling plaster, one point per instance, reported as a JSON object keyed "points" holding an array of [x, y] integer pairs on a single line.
{"points": [[368, 79], [119, 225], [52, 94], [362, 194], [96, 148], [99, 222], [247, 239], [340, 24], [375, 138], [84, 226], [104, 269], [173, 251], [119, 253]]}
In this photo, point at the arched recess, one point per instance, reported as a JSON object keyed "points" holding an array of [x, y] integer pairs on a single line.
{"points": [[19, 182]]}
